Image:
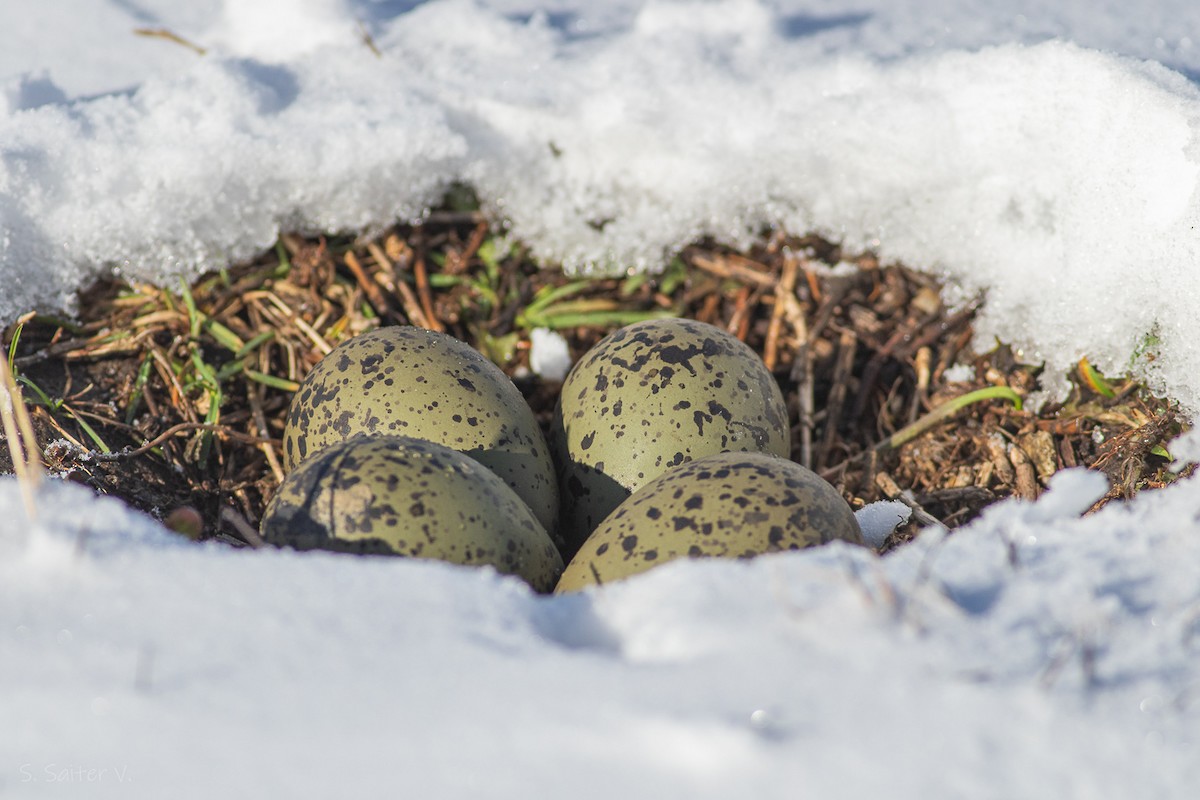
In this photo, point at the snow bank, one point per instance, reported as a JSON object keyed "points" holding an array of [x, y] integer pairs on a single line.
{"points": [[1032, 655], [1061, 179]]}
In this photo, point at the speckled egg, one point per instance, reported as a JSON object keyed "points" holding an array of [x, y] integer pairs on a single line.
{"points": [[652, 396], [729, 505], [407, 381], [396, 495]]}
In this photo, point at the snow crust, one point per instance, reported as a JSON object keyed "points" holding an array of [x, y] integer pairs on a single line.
{"points": [[1031, 655], [1037, 156], [1046, 157]]}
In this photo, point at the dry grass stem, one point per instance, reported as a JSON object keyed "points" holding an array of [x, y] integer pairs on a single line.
{"points": [[170, 36], [22, 444], [189, 388]]}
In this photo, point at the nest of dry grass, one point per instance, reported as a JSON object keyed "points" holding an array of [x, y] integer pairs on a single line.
{"points": [[174, 399]]}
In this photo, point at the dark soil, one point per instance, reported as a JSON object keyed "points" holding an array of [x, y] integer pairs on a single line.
{"points": [[174, 400]]}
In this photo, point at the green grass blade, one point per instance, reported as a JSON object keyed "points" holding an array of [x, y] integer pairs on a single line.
{"points": [[139, 387], [1095, 380], [189, 302], [281, 253], [675, 275], [204, 371], [491, 255], [947, 409], [440, 280], [282, 384], [600, 319], [548, 295], [88, 429], [224, 337], [230, 369], [41, 397], [255, 343], [12, 347]]}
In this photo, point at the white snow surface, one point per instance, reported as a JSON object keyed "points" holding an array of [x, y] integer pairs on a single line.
{"points": [[1033, 655], [1047, 157], [1050, 158], [877, 521], [549, 354]]}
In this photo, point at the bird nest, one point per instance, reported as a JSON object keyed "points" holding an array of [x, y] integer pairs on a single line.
{"points": [[174, 398]]}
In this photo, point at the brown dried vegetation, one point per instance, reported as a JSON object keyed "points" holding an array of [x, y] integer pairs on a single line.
{"points": [[174, 399]]}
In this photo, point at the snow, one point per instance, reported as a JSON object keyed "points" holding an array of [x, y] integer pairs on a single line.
{"points": [[1047, 157], [549, 355], [1058, 173], [958, 373], [877, 521], [1035, 655]]}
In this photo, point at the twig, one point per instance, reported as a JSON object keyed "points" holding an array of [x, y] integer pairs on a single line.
{"points": [[784, 291], [1026, 480], [736, 267], [408, 300], [84, 349], [182, 427], [426, 297], [172, 382], [922, 364], [892, 491], [318, 341], [802, 363], [847, 345], [369, 287], [412, 307], [244, 528], [905, 341], [936, 332], [739, 320], [456, 262], [381, 259], [260, 425], [958, 494], [870, 373]]}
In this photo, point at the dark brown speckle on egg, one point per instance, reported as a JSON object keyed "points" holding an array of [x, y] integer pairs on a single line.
{"points": [[394, 495], [413, 382], [728, 505], [652, 396]]}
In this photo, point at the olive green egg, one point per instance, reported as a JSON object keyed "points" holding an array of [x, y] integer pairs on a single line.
{"points": [[729, 505], [396, 495], [406, 381], [652, 396]]}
